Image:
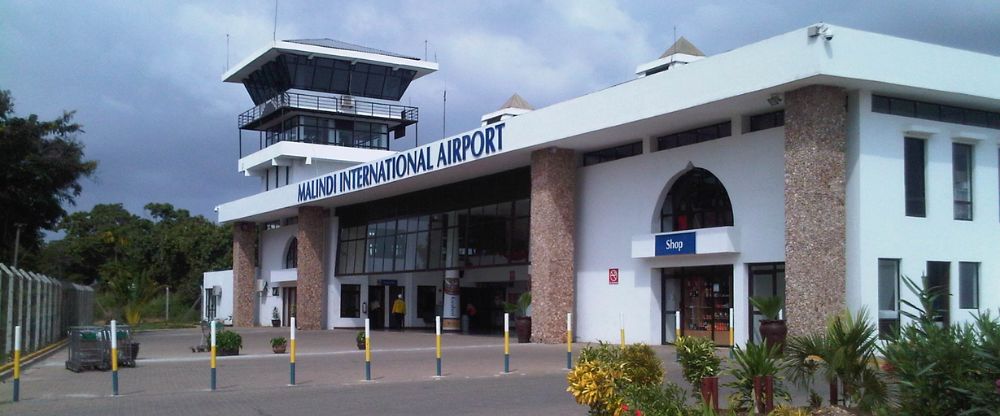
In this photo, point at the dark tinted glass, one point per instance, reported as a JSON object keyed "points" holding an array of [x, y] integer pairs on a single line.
{"points": [[914, 162]]}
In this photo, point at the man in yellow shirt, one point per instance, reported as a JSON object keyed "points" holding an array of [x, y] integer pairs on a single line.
{"points": [[398, 312]]}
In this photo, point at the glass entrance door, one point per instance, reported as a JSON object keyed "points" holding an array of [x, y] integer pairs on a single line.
{"points": [[670, 293], [706, 299], [766, 279], [289, 300]]}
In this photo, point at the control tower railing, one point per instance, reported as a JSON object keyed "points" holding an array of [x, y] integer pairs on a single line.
{"points": [[344, 104]]}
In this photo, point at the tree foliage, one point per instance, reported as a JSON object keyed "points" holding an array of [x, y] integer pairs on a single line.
{"points": [[42, 167], [116, 248]]}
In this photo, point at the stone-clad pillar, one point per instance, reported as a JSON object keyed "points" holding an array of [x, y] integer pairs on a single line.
{"points": [[553, 224], [244, 276], [815, 212], [311, 285]]}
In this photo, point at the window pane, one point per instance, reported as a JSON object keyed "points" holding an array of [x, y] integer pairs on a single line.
{"points": [[888, 284], [914, 179], [962, 180], [968, 291]]}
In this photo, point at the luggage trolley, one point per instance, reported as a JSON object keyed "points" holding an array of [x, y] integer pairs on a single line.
{"points": [[127, 349], [87, 349]]}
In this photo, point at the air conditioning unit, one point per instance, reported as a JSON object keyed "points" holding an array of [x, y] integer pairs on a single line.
{"points": [[346, 101], [216, 290], [261, 285]]}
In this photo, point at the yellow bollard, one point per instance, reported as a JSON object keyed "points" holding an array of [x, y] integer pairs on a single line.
{"points": [[17, 363], [569, 341]]}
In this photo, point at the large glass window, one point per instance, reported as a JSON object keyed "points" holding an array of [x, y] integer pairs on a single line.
{"points": [[962, 179], [696, 200], [612, 153], [767, 120], [888, 297], [698, 135], [350, 301], [320, 130], [968, 285], [433, 229], [933, 111], [914, 181]]}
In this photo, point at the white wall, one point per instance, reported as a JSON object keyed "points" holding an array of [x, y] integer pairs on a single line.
{"points": [[224, 278], [883, 229], [622, 198]]}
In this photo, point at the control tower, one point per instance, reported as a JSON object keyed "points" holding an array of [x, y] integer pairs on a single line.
{"points": [[321, 105]]}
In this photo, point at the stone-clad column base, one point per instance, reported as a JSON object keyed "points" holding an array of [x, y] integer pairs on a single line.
{"points": [[244, 276], [815, 211], [553, 223], [311, 284]]}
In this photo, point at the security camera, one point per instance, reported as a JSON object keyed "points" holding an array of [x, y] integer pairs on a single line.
{"points": [[821, 30], [828, 33]]}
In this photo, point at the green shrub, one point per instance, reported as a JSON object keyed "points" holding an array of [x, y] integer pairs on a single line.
{"points": [[756, 360], [846, 352], [228, 341], [698, 360], [940, 370], [655, 400], [602, 371]]}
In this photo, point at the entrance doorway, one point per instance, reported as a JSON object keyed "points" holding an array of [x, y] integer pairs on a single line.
{"points": [[376, 306], [705, 295], [288, 302], [766, 279], [938, 283]]}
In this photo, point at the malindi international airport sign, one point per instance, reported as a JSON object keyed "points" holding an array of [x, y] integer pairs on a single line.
{"points": [[480, 143]]}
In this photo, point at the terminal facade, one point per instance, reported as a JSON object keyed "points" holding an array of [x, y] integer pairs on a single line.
{"points": [[823, 166]]}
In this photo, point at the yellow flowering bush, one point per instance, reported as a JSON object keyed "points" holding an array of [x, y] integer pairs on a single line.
{"points": [[602, 370]]}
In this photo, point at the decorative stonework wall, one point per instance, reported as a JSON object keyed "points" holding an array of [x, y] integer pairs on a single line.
{"points": [[311, 285], [244, 250], [553, 224], [815, 187]]}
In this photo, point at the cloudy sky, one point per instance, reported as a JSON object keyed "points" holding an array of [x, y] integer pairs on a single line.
{"points": [[144, 76]]}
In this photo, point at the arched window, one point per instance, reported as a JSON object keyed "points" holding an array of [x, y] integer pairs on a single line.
{"points": [[292, 255], [696, 200]]}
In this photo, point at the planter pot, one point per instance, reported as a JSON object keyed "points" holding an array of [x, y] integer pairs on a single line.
{"points": [[279, 349], [523, 327], [710, 392], [221, 352], [275, 323], [361, 344], [774, 333]]}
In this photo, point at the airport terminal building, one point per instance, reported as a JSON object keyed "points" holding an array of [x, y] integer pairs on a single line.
{"points": [[822, 166]]}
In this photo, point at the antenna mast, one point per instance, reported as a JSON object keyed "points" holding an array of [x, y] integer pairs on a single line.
{"points": [[274, 34]]}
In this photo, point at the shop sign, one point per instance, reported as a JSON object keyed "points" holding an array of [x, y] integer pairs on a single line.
{"points": [[674, 244], [612, 276]]}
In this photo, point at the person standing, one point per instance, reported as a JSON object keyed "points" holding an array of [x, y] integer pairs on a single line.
{"points": [[398, 312]]}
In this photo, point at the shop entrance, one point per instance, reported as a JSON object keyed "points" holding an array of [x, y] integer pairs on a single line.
{"points": [[288, 300], [705, 294], [376, 306]]}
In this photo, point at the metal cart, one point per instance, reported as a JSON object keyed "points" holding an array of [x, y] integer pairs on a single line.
{"points": [[127, 348], [87, 349]]}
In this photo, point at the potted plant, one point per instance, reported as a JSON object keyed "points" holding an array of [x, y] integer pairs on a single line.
{"points": [[361, 340], [701, 367], [228, 343], [772, 329], [275, 318], [278, 345], [522, 322]]}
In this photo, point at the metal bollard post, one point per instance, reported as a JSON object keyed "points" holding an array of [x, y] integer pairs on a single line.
{"points": [[17, 363], [437, 332], [212, 362], [677, 335], [569, 341], [291, 356], [506, 343], [732, 334], [621, 321], [114, 357], [368, 351]]}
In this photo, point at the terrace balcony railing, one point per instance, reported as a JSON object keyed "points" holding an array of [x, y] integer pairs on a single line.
{"points": [[344, 104]]}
